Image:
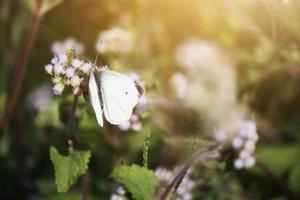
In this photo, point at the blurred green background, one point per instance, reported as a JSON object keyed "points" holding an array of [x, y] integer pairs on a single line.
{"points": [[253, 53]]}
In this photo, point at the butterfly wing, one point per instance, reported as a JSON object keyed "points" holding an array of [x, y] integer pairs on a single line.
{"points": [[95, 98], [119, 94]]}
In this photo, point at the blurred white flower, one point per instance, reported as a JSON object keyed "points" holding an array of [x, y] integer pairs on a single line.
{"points": [[125, 126], [86, 67], [75, 81], [143, 102], [58, 69], [179, 81], [114, 40], [76, 63], [250, 145], [249, 162], [49, 68], [208, 85], [238, 163], [62, 58], [54, 60], [58, 88], [237, 142], [247, 138], [66, 46], [70, 72], [118, 194], [40, 97], [196, 53], [134, 124]]}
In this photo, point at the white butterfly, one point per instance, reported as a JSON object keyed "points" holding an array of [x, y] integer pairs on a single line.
{"points": [[114, 94]]}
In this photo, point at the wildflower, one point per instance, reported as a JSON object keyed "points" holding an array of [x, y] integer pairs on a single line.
{"points": [[86, 67], [249, 162], [62, 58], [70, 72], [66, 46], [76, 63], [75, 81], [238, 163], [58, 69], [114, 40], [134, 124], [49, 69], [246, 141], [237, 142], [58, 88], [54, 60], [179, 82], [119, 194]]}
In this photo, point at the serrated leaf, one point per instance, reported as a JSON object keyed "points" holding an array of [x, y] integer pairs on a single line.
{"points": [[139, 181], [68, 168]]}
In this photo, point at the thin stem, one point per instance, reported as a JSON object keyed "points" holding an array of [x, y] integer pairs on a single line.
{"points": [[202, 155], [71, 126], [20, 73], [85, 186]]}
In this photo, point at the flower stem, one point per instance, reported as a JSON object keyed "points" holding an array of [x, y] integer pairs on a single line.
{"points": [[71, 126], [20, 72]]}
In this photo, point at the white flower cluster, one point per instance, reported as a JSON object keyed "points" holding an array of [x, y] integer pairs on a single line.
{"points": [[119, 194], [184, 191], [66, 71], [208, 85], [114, 40], [134, 124], [64, 47], [245, 142]]}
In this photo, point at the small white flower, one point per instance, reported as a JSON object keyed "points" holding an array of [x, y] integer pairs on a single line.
{"points": [[70, 72], [58, 88], [62, 58], [76, 90], [58, 69], [115, 40], [136, 126], [249, 162], [49, 69], [125, 126], [134, 118], [76, 63], [57, 48], [254, 137], [237, 142], [250, 145], [75, 81], [220, 135], [244, 154], [143, 102], [179, 83], [239, 163], [86, 67], [54, 60]]}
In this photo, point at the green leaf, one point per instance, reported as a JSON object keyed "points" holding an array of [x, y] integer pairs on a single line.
{"points": [[68, 168], [139, 181], [269, 156]]}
